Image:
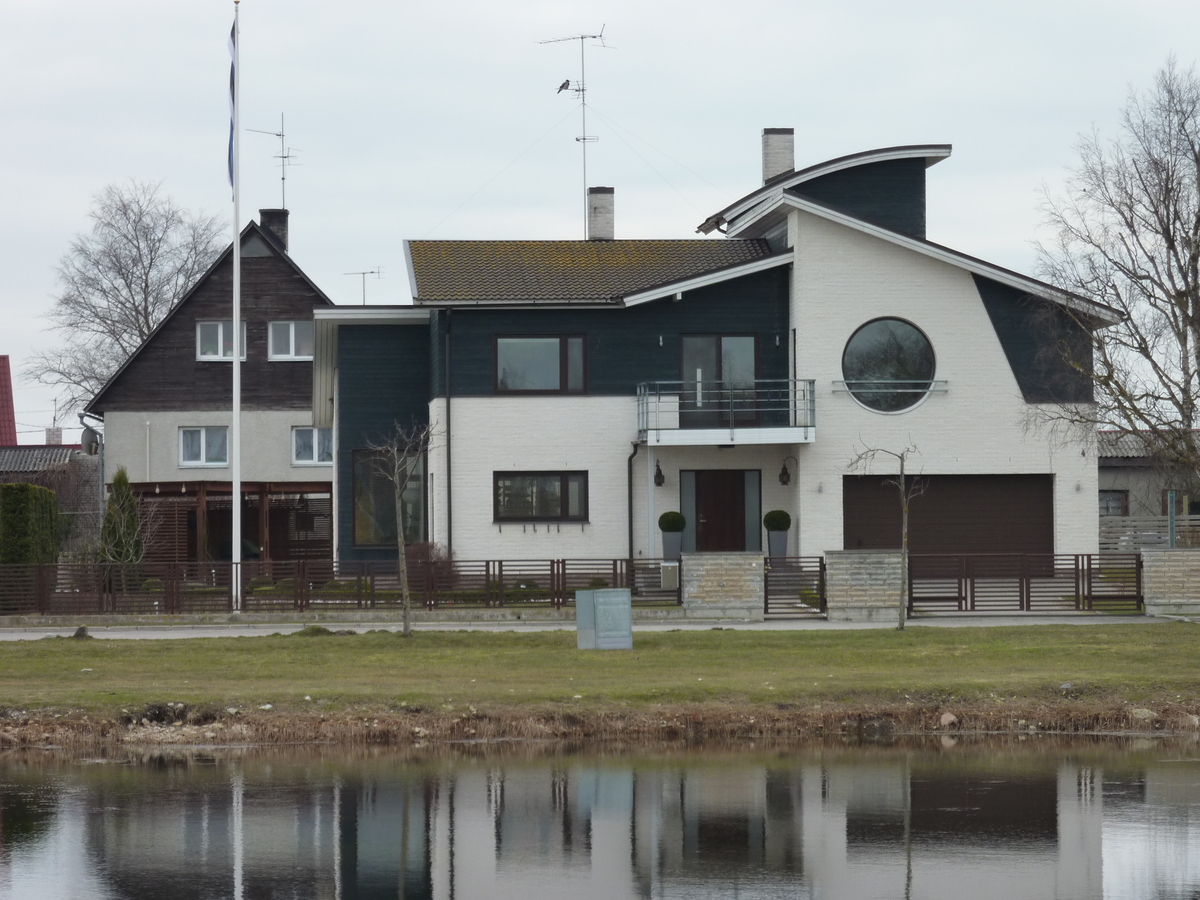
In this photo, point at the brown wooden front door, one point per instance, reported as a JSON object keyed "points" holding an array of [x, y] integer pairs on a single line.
{"points": [[720, 510]]}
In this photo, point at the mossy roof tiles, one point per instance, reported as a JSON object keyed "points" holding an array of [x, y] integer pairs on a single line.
{"points": [[500, 272]]}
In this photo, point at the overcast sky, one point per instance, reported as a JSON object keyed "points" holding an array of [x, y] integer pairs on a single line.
{"points": [[415, 120]]}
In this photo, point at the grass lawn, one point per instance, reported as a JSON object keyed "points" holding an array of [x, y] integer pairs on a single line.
{"points": [[1142, 664]]}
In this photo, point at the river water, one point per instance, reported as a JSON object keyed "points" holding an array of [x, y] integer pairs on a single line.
{"points": [[934, 819]]}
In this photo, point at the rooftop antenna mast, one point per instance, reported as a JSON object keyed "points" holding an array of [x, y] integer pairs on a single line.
{"points": [[285, 157], [579, 88], [377, 272]]}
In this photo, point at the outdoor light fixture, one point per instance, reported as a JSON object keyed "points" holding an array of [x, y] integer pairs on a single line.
{"points": [[785, 477], [659, 478]]}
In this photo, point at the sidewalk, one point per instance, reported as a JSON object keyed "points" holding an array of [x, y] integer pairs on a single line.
{"points": [[144, 631]]}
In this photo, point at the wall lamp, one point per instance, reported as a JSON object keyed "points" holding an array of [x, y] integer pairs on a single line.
{"points": [[659, 478], [785, 477]]}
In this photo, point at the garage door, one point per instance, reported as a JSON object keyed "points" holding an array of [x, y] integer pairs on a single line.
{"points": [[954, 514]]}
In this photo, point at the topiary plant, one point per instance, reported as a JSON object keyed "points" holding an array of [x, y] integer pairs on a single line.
{"points": [[777, 520], [672, 521]]}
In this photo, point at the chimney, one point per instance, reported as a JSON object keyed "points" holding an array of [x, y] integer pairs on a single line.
{"points": [[8, 418], [54, 436], [276, 222], [779, 152], [600, 223]]}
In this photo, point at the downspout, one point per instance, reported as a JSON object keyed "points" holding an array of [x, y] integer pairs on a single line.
{"points": [[449, 455], [629, 485]]}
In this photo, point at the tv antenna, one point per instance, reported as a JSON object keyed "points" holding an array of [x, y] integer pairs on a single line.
{"points": [[377, 272], [285, 157], [579, 88]]}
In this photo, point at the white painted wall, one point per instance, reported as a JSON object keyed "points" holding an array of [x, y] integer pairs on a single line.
{"points": [[266, 446], [844, 278]]}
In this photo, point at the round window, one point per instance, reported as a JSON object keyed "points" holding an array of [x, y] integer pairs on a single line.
{"points": [[888, 365]]}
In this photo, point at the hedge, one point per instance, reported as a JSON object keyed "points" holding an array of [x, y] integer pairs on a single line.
{"points": [[28, 524]]}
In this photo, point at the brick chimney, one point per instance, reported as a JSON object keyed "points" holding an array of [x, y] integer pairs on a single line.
{"points": [[54, 436], [601, 225], [276, 222], [778, 152], [8, 417]]}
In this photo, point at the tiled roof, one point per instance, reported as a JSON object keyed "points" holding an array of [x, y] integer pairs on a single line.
{"points": [[564, 271], [33, 459]]}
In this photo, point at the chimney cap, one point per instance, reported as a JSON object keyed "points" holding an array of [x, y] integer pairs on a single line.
{"points": [[779, 131], [602, 190]]}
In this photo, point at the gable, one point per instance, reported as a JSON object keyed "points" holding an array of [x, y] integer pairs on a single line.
{"points": [[1033, 333], [164, 374], [890, 193]]}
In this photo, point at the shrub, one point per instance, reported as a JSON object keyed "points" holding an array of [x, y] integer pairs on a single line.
{"points": [[672, 521], [29, 525], [777, 520], [152, 586]]}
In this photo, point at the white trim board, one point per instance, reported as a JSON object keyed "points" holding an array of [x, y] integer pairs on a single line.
{"points": [[699, 281]]}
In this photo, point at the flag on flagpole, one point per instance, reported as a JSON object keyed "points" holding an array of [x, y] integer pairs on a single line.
{"points": [[232, 97]]}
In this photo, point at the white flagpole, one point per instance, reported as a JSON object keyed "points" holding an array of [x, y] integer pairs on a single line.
{"points": [[235, 431]]}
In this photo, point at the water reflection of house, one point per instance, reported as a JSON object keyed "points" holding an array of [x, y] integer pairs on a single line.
{"points": [[887, 827]]}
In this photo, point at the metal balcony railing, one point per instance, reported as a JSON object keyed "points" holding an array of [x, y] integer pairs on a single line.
{"points": [[768, 403]]}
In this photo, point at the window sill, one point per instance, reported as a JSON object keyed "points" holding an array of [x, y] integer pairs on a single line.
{"points": [[311, 465], [223, 465], [541, 521], [289, 359]]}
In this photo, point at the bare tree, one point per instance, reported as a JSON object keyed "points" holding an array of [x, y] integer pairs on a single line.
{"points": [[1126, 233], [117, 284], [908, 490], [400, 459]]}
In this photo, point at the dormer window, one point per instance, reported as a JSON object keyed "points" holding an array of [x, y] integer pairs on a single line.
{"points": [[214, 340], [290, 340]]}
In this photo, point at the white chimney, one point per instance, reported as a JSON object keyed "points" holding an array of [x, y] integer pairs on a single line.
{"points": [[601, 225], [54, 436], [779, 152]]}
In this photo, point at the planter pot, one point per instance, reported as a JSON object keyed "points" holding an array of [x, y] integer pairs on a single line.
{"points": [[672, 544], [777, 544]]}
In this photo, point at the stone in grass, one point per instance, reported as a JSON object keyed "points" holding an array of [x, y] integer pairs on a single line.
{"points": [[1143, 715], [948, 719]]}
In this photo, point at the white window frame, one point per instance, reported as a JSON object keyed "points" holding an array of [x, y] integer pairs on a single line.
{"points": [[221, 324], [274, 354], [203, 463], [315, 444]]}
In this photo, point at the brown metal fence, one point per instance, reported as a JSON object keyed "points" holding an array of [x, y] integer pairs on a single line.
{"points": [[794, 586], [177, 588], [1028, 582]]}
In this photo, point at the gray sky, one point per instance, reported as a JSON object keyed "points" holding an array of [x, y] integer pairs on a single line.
{"points": [[416, 120]]}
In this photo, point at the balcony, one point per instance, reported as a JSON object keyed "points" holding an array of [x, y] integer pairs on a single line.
{"points": [[698, 413]]}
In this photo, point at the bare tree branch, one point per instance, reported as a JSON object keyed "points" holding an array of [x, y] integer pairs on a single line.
{"points": [[117, 283]]}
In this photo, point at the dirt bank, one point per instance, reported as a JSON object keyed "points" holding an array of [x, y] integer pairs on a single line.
{"points": [[170, 724]]}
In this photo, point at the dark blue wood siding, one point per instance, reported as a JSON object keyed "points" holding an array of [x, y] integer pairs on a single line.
{"points": [[623, 344], [891, 194], [383, 379], [1036, 336]]}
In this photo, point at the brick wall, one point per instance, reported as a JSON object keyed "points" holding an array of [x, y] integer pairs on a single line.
{"points": [[723, 584], [863, 585], [1171, 582]]}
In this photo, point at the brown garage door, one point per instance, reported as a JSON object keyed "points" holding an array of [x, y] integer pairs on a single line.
{"points": [[955, 514]]}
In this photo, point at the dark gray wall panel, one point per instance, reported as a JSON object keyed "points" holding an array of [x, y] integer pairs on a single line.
{"points": [[891, 194]]}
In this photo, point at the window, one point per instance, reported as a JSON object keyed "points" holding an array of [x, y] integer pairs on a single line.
{"points": [[375, 503], [312, 446], [540, 365], [717, 376], [214, 340], [290, 340], [207, 446], [1114, 503], [539, 496], [888, 365]]}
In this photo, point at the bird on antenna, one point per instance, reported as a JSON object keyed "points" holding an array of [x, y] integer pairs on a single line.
{"points": [[564, 86]]}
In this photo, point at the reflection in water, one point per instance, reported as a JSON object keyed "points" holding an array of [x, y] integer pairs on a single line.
{"points": [[1073, 823]]}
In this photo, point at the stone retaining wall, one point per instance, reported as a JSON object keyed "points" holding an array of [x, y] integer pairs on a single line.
{"points": [[863, 585], [718, 585], [1171, 582]]}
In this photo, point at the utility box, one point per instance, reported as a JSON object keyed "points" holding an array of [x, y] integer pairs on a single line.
{"points": [[604, 619], [668, 575]]}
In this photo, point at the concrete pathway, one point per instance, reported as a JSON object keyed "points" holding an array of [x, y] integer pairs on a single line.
{"points": [[233, 629]]}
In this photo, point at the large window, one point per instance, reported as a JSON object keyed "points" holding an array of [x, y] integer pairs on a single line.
{"points": [[540, 364], [206, 446], [290, 340], [312, 446], [539, 496], [888, 365], [214, 340], [375, 503]]}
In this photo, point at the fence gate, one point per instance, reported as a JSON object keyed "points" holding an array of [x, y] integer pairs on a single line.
{"points": [[794, 586]]}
